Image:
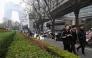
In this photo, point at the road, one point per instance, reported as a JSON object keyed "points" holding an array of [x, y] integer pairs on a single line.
{"points": [[60, 45]]}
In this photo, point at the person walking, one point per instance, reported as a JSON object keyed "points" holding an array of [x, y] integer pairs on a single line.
{"points": [[82, 39], [73, 38], [66, 36]]}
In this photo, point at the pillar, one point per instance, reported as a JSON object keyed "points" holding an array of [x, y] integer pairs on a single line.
{"points": [[20, 25], [76, 12], [73, 22], [30, 24]]}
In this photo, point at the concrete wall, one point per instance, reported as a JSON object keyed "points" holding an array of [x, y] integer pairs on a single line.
{"points": [[44, 27], [59, 27]]}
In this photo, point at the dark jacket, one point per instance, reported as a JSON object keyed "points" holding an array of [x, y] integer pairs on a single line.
{"points": [[66, 39], [74, 36], [82, 35]]}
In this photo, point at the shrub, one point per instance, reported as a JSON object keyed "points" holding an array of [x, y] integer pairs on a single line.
{"points": [[40, 45], [3, 31], [57, 51], [22, 48], [2, 28], [5, 40]]}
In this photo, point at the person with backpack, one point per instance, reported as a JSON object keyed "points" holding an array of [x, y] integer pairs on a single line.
{"points": [[66, 36], [73, 38]]}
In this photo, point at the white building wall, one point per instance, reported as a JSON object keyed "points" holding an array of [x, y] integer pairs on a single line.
{"points": [[30, 25], [59, 27], [73, 22], [44, 27]]}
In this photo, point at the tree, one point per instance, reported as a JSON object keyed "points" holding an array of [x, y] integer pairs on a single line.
{"points": [[7, 23], [36, 13], [48, 7], [16, 25], [44, 9], [88, 26], [76, 4]]}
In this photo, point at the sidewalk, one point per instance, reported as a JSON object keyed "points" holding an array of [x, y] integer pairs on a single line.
{"points": [[60, 45]]}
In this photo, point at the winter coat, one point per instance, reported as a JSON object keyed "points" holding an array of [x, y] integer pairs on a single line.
{"points": [[82, 35], [74, 36], [66, 39]]}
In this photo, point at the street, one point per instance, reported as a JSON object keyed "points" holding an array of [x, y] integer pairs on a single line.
{"points": [[59, 44]]}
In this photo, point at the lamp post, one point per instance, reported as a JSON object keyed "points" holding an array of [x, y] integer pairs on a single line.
{"points": [[76, 8]]}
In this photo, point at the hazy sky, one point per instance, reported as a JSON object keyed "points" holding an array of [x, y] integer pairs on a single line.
{"points": [[2, 4]]}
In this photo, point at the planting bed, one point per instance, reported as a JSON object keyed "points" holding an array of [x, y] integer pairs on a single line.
{"points": [[52, 49], [5, 41], [22, 48]]}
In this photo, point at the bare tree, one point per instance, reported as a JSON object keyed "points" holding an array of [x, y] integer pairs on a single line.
{"points": [[7, 23], [36, 13], [44, 9]]}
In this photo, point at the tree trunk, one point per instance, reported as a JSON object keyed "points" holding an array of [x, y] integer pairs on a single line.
{"points": [[42, 27], [76, 12], [53, 25]]}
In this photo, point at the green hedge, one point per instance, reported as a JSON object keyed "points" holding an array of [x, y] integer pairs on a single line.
{"points": [[1, 31], [2, 28], [57, 51], [5, 40], [22, 48]]}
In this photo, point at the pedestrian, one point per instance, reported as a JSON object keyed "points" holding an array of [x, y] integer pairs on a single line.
{"points": [[66, 36], [53, 35], [82, 39], [56, 36], [73, 38]]}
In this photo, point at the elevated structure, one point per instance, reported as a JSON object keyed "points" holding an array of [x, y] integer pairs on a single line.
{"points": [[67, 7]]}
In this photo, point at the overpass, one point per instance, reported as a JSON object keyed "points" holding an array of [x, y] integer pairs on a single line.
{"points": [[85, 13], [67, 7], [64, 7], [81, 16]]}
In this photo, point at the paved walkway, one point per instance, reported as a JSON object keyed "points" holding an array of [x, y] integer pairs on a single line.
{"points": [[60, 45]]}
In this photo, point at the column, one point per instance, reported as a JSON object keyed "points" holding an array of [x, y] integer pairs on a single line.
{"points": [[30, 24], [73, 22], [76, 13]]}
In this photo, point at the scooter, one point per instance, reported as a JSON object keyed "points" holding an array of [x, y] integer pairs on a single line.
{"points": [[88, 39]]}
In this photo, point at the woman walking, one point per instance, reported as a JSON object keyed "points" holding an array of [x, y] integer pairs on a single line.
{"points": [[67, 38]]}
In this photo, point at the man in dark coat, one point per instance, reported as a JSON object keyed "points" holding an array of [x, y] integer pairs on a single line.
{"points": [[73, 38], [82, 38]]}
